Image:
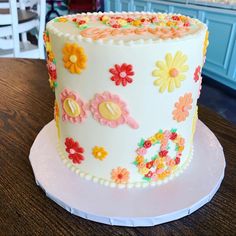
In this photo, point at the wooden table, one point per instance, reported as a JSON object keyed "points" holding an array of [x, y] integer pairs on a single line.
{"points": [[26, 105]]}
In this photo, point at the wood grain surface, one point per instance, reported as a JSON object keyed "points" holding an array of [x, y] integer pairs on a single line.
{"points": [[26, 105]]}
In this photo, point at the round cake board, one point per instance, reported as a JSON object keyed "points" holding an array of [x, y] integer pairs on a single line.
{"points": [[130, 207]]}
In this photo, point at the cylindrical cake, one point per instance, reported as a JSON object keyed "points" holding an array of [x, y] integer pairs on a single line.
{"points": [[126, 87]]}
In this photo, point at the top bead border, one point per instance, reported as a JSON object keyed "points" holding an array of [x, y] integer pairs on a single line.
{"points": [[80, 38]]}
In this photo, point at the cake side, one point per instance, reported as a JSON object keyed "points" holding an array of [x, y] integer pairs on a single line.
{"points": [[126, 113]]}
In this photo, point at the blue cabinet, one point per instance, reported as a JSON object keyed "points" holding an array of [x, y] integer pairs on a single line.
{"points": [[156, 7], [142, 6], [221, 55]]}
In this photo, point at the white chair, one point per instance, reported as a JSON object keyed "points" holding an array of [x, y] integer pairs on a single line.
{"points": [[33, 15]]}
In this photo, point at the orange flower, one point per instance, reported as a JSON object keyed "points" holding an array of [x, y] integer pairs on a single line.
{"points": [[139, 159], [74, 58], [182, 107], [159, 136], [99, 152], [120, 175]]}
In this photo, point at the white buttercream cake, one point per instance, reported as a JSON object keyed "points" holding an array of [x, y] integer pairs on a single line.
{"points": [[126, 88]]}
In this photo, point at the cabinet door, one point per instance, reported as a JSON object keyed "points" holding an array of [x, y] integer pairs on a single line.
{"points": [[140, 5], [109, 5], [186, 11], [222, 38], [125, 5], [156, 7]]}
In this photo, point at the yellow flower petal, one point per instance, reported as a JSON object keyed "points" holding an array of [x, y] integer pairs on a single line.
{"points": [[169, 60], [171, 85]]}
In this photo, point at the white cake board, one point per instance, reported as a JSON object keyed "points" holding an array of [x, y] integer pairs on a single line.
{"points": [[130, 207]]}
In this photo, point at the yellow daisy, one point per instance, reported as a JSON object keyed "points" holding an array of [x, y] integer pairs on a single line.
{"points": [[170, 72], [56, 118], [206, 42], [99, 152], [195, 118], [74, 58]]}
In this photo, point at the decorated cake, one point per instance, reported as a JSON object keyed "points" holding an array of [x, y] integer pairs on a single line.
{"points": [[126, 88]]}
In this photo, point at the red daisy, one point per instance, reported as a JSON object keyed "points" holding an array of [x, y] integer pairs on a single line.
{"points": [[121, 74], [75, 151], [197, 73]]}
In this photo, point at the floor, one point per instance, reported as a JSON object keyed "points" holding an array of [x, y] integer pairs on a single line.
{"points": [[219, 100]]}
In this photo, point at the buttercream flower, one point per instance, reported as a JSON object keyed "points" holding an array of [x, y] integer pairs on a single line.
{"points": [[74, 109], [206, 42], [147, 144], [56, 118], [141, 151], [61, 19], [120, 175], [139, 159], [74, 150], [52, 70], [109, 109], [159, 136], [197, 73], [143, 170], [171, 72], [99, 152], [74, 58], [200, 87], [121, 74], [182, 107]]}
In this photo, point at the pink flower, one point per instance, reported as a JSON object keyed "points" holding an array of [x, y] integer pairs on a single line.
{"points": [[197, 73], [52, 70], [75, 151], [141, 151], [200, 86], [122, 74], [74, 109], [109, 109]]}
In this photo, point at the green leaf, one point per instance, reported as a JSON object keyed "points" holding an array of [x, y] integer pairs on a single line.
{"points": [[154, 158], [135, 163], [140, 144], [147, 179], [173, 130]]}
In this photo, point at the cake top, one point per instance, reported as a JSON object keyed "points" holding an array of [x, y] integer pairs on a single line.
{"points": [[126, 27]]}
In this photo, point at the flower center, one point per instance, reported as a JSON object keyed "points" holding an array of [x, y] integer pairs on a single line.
{"points": [[73, 58], [99, 154], [173, 72], [184, 108], [122, 74], [72, 151], [119, 176], [110, 110]]}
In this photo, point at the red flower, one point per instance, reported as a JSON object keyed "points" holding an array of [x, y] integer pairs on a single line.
{"points": [[147, 144], [175, 18], [197, 73], [186, 24], [149, 165], [149, 174], [173, 136], [163, 153], [52, 70], [177, 160], [122, 73], [74, 150]]}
